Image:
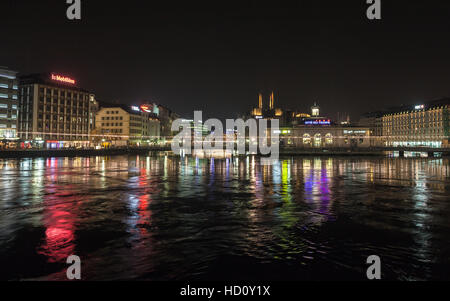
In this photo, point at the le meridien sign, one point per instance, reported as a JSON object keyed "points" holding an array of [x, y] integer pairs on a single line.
{"points": [[63, 79]]}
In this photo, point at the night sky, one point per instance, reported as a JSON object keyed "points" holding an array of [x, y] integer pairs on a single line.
{"points": [[217, 56]]}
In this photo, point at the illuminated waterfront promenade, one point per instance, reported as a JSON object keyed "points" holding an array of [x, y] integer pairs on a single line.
{"points": [[284, 151]]}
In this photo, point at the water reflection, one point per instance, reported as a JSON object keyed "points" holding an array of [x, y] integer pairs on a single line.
{"points": [[164, 217]]}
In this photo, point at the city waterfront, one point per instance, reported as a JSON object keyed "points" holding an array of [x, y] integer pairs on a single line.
{"points": [[163, 217]]}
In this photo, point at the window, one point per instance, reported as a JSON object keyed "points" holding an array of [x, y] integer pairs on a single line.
{"points": [[329, 139], [3, 95], [306, 139], [4, 86], [3, 106], [318, 140]]}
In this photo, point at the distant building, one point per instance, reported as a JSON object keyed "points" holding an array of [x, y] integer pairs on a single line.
{"points": [[321, 132], [8, 104], [374, 121], [54, 111], [122, 125], [285, 117], [424, 125], [166, 117]]}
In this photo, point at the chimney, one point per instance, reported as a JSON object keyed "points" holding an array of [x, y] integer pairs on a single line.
{"points": [[272, 101]]}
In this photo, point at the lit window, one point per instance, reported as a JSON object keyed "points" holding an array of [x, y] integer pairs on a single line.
{"points": [[306, 139]]}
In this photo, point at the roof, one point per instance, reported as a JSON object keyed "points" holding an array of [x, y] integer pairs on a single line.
{"points": [[45, 79], [126, 108]]}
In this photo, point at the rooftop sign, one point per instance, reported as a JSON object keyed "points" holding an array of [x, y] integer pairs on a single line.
{"points": [[63, 79], [318, 122]]}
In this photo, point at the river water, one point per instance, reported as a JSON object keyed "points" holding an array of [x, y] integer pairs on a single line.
{"points": [[167, 218]]}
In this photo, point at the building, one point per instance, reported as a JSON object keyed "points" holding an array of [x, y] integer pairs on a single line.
{"points": [[374, 121], [270, 112], [54, 111], [166, 117], [8, 106], [122, 125], [424, 125], [286, 118], [322, 132]]}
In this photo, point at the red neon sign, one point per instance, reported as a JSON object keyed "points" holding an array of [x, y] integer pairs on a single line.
{"points": [[147, 108], [63, 79]]}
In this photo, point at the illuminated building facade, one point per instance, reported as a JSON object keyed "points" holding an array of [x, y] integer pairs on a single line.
{"points": [[322, 132], [54, 111], [286, 117], [325, 136], [270, 112], [8, 104], [121, 125], [425, 125]]}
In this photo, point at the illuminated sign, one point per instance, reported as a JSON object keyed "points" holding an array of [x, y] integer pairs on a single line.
{"points": [[354, 132], [259, 117], [147, 108], [134, 108], [421, 107], [63, 79], [318, 122]]}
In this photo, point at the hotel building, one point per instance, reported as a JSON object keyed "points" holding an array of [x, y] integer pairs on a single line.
{"points": [[425, 125], [54, 111], [121, 125], [8, 104]]}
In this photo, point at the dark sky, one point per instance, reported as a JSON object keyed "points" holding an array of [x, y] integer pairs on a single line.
{"points": [[218, 55]]}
